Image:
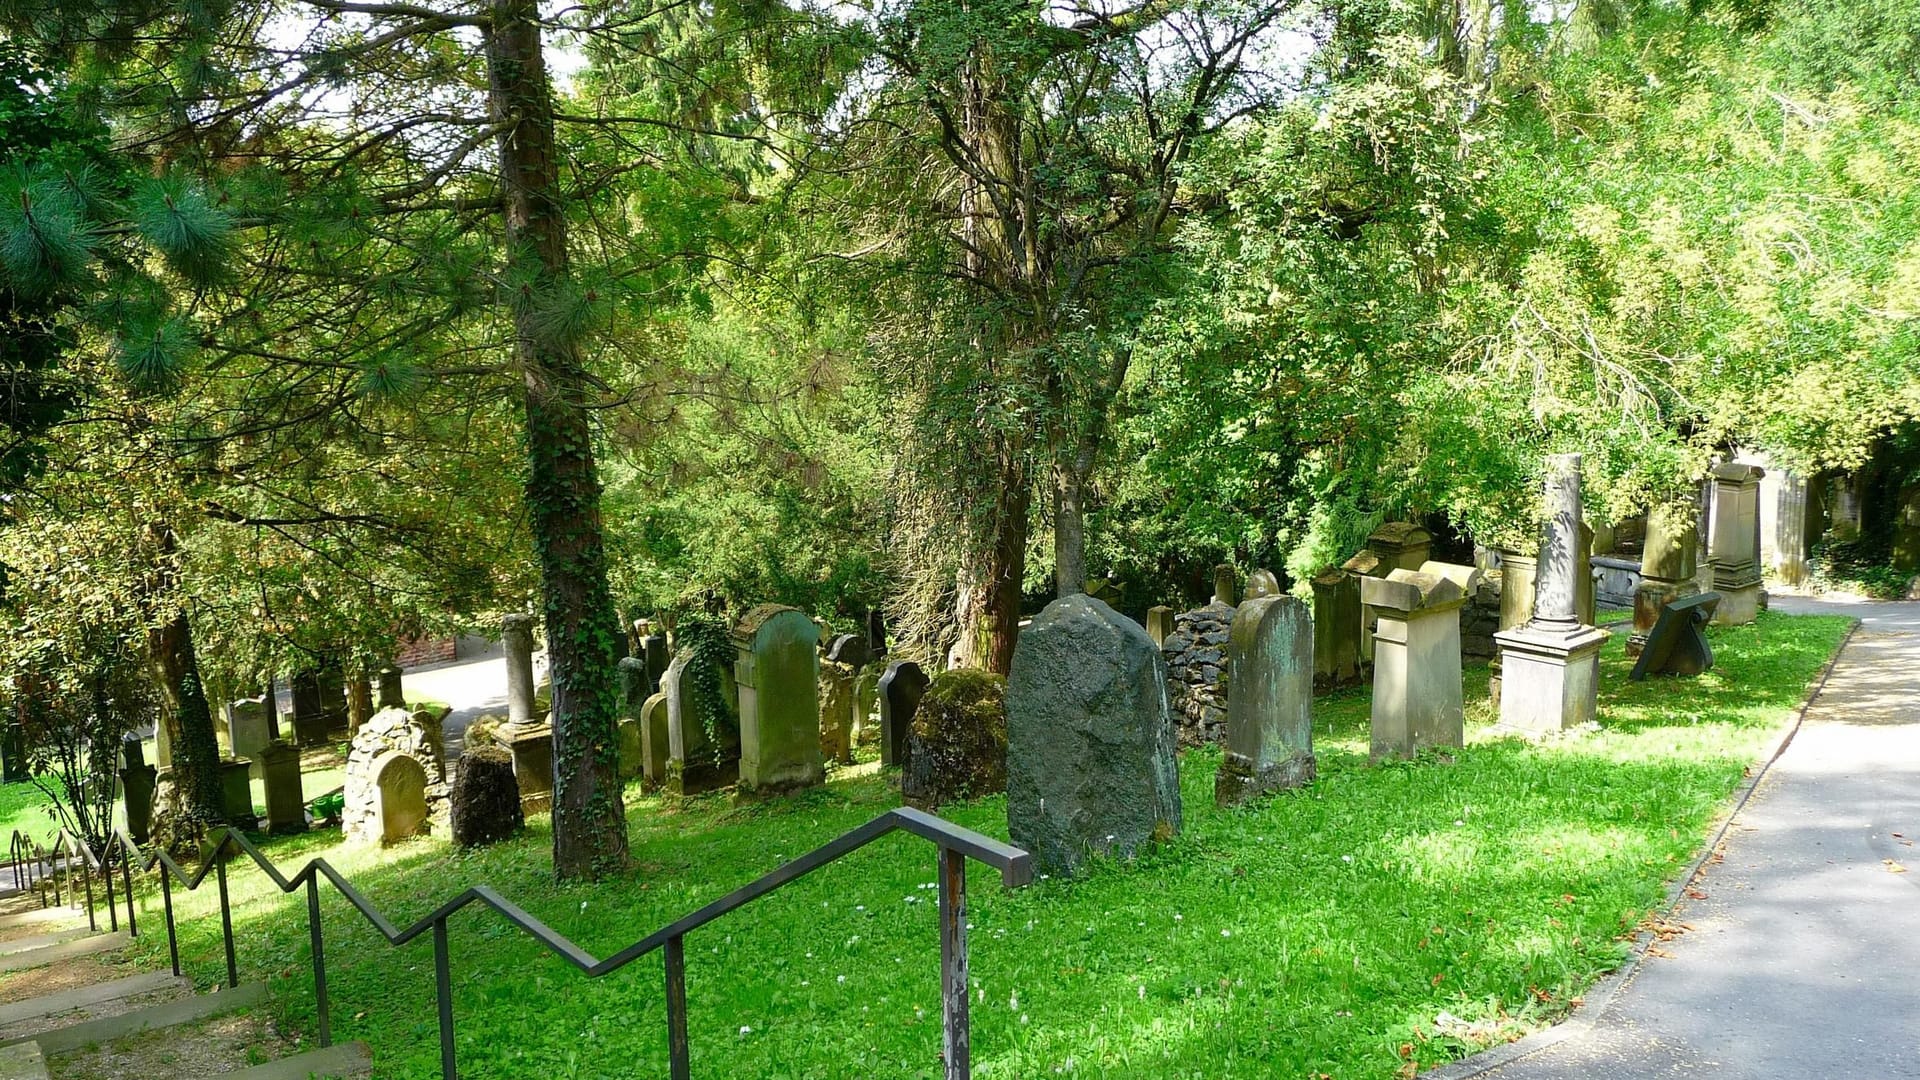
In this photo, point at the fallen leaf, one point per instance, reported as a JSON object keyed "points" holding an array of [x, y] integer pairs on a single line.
{"points": [[1696, 894], [1437, 976], [1653, 950], [1894, 867]]}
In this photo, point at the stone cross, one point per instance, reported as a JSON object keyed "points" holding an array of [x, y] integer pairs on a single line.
{"points": [[1417, 696], [1733, 541], [1090, 749], [1550, 665], [1270, 712], [777, 668]]}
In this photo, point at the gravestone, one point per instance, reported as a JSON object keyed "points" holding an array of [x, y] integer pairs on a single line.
{"points": [[525, 734], [1733, 542], [877, 634], [957, 742], [1668, 566], [1336, 629], [1226, 589], [1091, 767], [696, 760], [392, 694], [901, 690], [1550, 664], [248, 728], [1270, 712], [388, 733], [1401, 545], [309, 717], [846, 655], [484, 803], [1417, 697], [778, 672], [1678, 644], [332, 688], [138, 780], [1261, 583], [635, 690], [236, 794], [279, 764], [654, 651], [654, 740], [400, 786], [1160, 623]]}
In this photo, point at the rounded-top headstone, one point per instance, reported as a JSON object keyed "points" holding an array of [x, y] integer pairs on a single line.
{"points": [[1261, 583], [1090, 746]]}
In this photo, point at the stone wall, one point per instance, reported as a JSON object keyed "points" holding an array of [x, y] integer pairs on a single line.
{"points": [[1196, 654], [423, 651]]}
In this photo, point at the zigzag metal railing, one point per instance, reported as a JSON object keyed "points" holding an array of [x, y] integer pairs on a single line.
{"points": [[34, 864], [955, 844]]}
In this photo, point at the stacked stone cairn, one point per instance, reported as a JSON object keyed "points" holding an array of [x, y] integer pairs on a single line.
{"points": [[1196, 659], [957, 740]]}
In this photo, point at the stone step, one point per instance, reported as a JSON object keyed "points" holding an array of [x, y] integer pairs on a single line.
{"points": [[49, 916], [166, 1015], [22, 1062], [341, 1061], [41, 941], [83, 996], [81, 946]]}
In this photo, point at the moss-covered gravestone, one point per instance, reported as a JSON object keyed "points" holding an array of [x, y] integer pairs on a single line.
{"points": [[957, 742], [1270, 715], [485, 797], [1090, 750], [703, 750], [778, 673]]}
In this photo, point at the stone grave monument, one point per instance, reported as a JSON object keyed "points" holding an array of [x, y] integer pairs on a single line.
{"points": [[1270, 712], [1261, 583], [635, 690], [654, 740], [957, 742], [236, 794], [392, 694], [846, 655], [1226, 589], [249, 729], [484, 803], [1550, 664], [1667, 567], [777, 670], [1733, 542], [1091, 767], [901, 688], [1417, 696], [697, 761], [527, 735], [138, 780], [1336, 629], [380, 795], [1678, 644], [279, 764]]}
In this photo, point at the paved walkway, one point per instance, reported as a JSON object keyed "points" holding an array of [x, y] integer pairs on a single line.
{"points": [[1804, 957]]}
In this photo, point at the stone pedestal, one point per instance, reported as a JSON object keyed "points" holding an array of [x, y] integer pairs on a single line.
{"points": [[1668, 566], [236, 794], [279, 764], [1417, 695], [1733, 542], [532, 750], [516, 639], [1550, 681], [1270, 712], [777, 670], [1336, 629]]}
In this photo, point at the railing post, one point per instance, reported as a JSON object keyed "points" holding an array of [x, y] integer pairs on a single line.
{"points": [[113, 908], [226, 914], [680, 1062], [443, 986], [953, 964], [126, 880], [86, 880], [166, 900], [319, 961], [53, 874]]}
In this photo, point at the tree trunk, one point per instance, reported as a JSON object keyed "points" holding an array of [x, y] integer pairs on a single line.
{"points": [[1069, 532], [194, 797], [563, 487]]}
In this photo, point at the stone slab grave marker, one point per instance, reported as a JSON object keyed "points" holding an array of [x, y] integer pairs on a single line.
{"points": [[388, 734], [1550, 664], [1417, 696], [309, 716], [694, 762], [400, 792], [280, 775], [901, 689], [635, 690], [249, 729], [1091, 767], [654, 740], [1160, 623], [656, 654], [778, 672], [1270, 712], [846, 655], [527, 737], [1336, 628], [1668, 566], [1733, 542], [392, 694], [1678, 645], [236, 794], [866, 702], [1226, 589]]}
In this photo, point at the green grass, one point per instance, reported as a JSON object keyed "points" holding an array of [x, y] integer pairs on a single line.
{"points": [[26, 808], [1412, 911]]}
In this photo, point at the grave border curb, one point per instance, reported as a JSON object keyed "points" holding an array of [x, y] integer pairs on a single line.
{"points": [[1597, 1000]]}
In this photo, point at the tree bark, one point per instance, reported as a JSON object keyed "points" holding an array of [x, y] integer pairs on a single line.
{"points": [[1069, 532], [563, 486], [195, 801]]}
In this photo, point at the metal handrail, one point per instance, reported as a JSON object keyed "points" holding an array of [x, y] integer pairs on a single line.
{"points": [[65, 846], [956, 845]]}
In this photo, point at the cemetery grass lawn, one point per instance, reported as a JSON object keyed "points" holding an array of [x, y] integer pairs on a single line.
{"points": [[25, 807], [1385, 917]]}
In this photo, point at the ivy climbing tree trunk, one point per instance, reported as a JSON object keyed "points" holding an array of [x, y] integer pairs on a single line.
{"points": [[194, 802], [563, 486]]}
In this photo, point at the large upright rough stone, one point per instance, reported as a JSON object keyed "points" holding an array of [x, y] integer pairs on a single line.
{"points": [[957, 741], [485, 800], [778, 671], [1270, 713], [1090, 750]]}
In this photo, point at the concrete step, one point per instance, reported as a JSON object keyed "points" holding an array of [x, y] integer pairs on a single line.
{"points": [[49, 916], [341, 1061], [22, 1062], [41, 941], [185, 1010], [81, 946], [83, 996]]}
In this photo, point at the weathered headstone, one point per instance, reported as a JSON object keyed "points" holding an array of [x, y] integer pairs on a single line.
{"points": [[866, 702], [1401, 545], [1336, 628], [957, 742], [484, 802], [390, 732], [1160, 623], [1733, 539], [392, 693], [1270, 712], [877, 634], [702, 748], [901, 690], [137, 783], [1091, 766], [1678, 644], [309, 716], [1226, 589], [1550, 665], [1667, 567], [400, 784], [1261, 583], [332, 688], [653, 649], [1417, 697], [778, 672], [236, 794], [654, 740], [280, 775], [846, 655], [248, 728], [635, 689]]}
